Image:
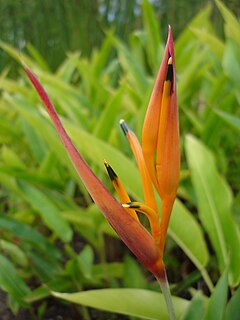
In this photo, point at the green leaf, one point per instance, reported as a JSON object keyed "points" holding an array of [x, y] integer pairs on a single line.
{"points": [[29, 235], [85, 261], [45, 130], [186, 42], [190, 75], [107, 118], [214, 203], [35, 143], [152, 29], [11, 158], [133, 70], [44, 268], [133, 302], [233, 307], [218, 300], [50, 214], [108, 270], [196, 309], [67, 68], [230, 119], [231, 63], [36, 55], [58, 283], [32, 177], [232, 26], [13, 250], [182, 220], [11, 282], [133, 276], [102, 57], [215, 44], [14, 53]]}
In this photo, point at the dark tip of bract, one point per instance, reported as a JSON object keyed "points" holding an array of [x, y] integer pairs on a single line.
{"points": [[110, 171], [124, 126], [169, 75], [132, 205]]}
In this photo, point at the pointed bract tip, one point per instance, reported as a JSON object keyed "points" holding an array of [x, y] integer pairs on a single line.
{"points": [[169, 30], [170, 37], [124, 126], [130, 205], [112, 174], [170, 45]]}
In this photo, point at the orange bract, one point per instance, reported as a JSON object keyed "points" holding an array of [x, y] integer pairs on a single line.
{"points": [[160, 141]]}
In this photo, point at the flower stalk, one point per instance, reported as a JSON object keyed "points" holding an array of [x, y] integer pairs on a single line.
{"points": [[164, 285]]}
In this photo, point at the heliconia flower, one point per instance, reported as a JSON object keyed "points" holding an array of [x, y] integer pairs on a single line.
{"points": [[158, 160]]}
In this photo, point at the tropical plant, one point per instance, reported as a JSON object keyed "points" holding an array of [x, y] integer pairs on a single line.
{"points": [[44, 206]]}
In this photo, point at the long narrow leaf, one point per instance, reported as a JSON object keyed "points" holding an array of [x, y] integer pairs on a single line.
{"points": [[133, 302], [230, 119], [214, 202], [11, 282], [218, 300], [50, 214]]}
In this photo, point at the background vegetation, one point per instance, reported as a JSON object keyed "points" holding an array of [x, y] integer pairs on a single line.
{"points": [[52, 236], [56, 27]]}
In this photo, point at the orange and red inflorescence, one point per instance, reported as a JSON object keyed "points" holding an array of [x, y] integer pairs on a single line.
{"points": [[158, 160]]}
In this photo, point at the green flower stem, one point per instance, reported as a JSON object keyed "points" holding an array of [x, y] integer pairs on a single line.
{"points": [[163, 282]]}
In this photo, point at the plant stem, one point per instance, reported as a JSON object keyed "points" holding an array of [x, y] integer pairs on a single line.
{"points": [[207, 280], [85, 313], [163, 282]]}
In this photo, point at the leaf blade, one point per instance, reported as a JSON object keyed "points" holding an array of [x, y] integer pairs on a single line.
{"points": [[214, 202], [11, 282], [135, 302], [46, 208]]}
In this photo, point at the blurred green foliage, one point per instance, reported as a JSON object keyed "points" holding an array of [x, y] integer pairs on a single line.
{"points": [[52, 234], [56, 27]]}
